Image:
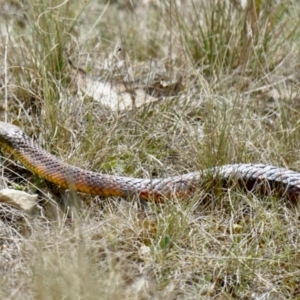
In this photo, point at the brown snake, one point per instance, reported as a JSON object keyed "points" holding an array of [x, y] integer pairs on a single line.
{"points": [[265, 178]]}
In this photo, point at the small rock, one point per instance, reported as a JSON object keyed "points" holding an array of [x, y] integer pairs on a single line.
{"points": [[18, 199]]}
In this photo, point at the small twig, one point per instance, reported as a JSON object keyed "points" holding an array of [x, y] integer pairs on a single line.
{"points": [[76, 68], [5, 79]]}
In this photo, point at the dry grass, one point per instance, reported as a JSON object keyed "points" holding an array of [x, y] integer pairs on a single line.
{"points": [[238, 102]]}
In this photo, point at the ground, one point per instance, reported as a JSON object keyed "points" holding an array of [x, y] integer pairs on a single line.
{"points": [[187, 85]]}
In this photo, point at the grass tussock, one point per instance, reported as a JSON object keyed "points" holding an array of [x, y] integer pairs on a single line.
{"points": [[229, 70]]}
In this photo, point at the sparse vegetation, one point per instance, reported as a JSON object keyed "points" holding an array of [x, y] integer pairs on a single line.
{"points": [[228, 71]]}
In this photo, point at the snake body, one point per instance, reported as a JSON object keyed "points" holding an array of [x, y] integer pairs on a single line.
{"points": [[266, 178]]}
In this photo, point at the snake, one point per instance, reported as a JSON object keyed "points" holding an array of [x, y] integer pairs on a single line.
{"points": [[252, 177]]}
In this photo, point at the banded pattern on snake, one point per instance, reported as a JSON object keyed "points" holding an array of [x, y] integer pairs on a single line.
{"points": [[265, 178]]}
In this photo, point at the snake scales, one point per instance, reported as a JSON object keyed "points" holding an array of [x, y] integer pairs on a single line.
{"points": [[265, 178]]}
